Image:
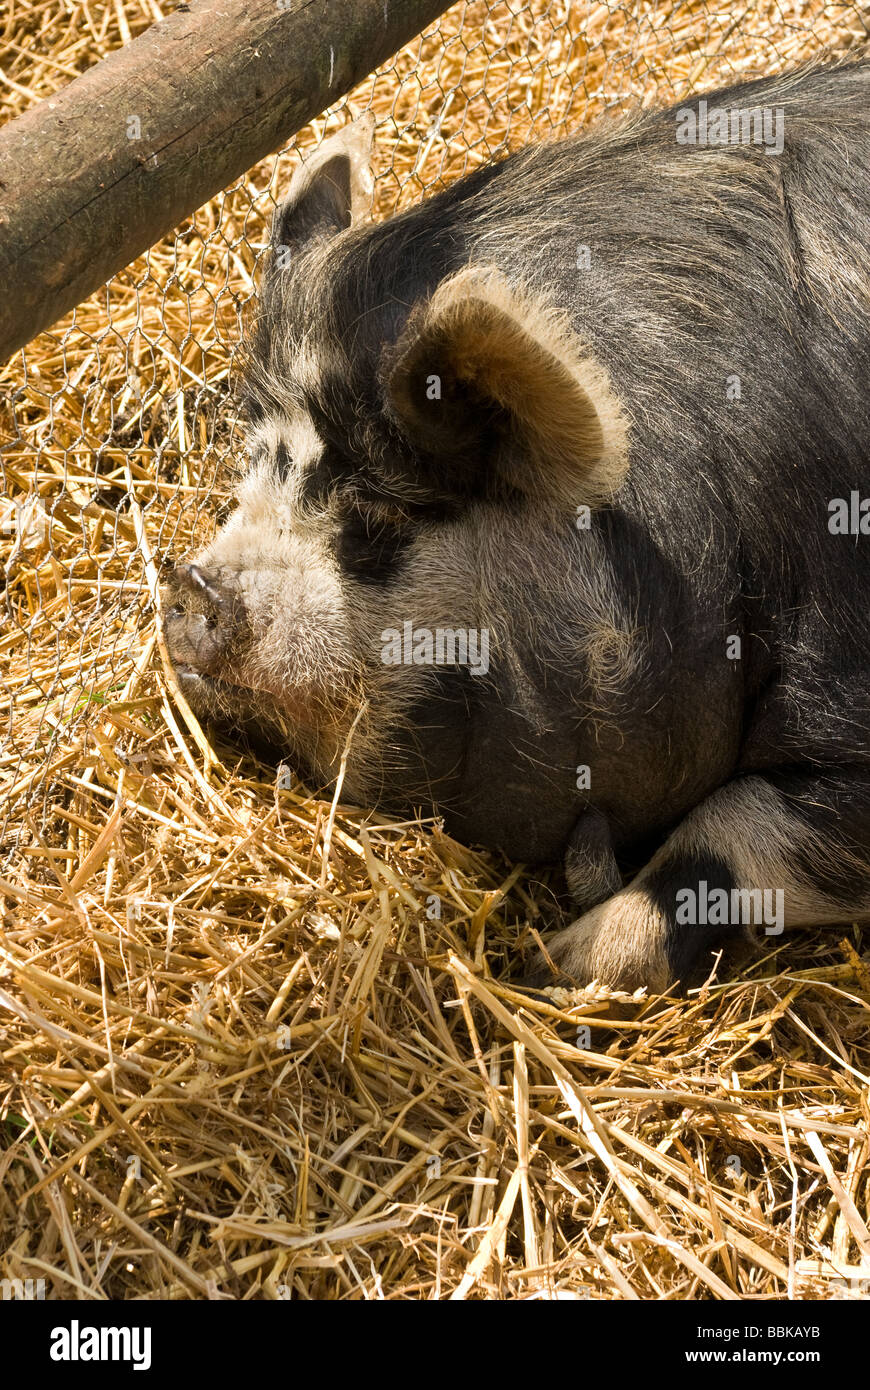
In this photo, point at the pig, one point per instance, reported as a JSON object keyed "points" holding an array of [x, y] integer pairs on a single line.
{"points": [[554, 522]]}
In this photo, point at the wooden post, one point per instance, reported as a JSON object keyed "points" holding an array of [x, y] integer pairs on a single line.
{"points": [[93, 176]]}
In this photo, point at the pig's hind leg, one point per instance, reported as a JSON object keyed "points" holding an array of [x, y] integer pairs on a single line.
{"points": [[759, 855]]}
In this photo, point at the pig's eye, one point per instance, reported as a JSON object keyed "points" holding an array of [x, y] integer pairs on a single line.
{"points": [[283, 462], [371, 540], [376, 516]]}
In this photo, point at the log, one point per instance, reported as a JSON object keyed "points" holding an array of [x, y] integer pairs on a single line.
{"points": [[93, 176]]}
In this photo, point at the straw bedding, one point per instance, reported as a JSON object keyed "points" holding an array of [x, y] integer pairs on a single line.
{"points": [[255, 1045]]}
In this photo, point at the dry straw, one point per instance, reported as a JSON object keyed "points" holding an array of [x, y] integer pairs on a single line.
{"points": [[243, 1055]]}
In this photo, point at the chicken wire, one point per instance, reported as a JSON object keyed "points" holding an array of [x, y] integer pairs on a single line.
{"points": [[119, 440]]}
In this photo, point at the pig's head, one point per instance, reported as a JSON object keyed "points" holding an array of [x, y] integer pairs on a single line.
{"points": [[417, 422]]}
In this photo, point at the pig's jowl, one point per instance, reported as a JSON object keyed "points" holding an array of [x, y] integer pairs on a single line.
{"points": [[536, 522]]}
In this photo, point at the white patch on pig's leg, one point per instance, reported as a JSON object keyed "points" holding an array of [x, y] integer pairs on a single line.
{"points": [[753, 859], [621, 943]]}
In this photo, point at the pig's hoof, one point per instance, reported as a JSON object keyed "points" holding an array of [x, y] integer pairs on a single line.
{"points": [[621, 943]]}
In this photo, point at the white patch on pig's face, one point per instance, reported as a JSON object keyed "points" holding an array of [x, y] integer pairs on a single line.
{"points": [[306, 372], [257, 492], [277, 550]]}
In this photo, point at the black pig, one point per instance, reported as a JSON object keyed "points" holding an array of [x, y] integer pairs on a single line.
{"points": [[554, 518]]}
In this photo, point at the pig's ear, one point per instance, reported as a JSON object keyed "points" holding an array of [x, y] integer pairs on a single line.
{"points": [[332, 189], [480, 362]]}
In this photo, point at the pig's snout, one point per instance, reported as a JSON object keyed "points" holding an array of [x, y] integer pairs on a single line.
{"points": [[204, 618], [222, 601]]}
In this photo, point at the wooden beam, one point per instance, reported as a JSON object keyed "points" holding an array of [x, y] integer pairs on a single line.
{"points": [[91, 177]]}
